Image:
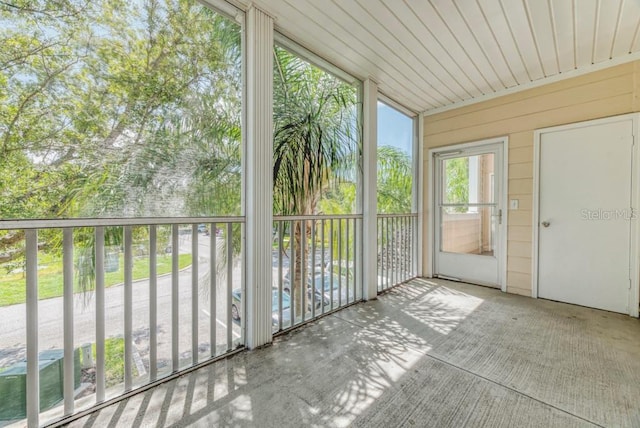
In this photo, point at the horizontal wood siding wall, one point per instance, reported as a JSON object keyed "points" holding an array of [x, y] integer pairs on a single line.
{"points": [[604, 93]]}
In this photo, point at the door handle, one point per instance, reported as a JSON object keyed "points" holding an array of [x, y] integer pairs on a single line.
{"points": [[546, 224]]}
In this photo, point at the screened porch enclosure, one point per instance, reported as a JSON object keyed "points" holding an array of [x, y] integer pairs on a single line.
{"points": [[195, 191]]}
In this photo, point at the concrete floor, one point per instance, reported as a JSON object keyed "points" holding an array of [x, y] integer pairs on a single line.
{"points": [[426, 354]]}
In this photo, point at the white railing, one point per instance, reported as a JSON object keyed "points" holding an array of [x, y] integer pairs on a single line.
{"points": [[166, 295], [134, 301], [397, 249], [316, 267]]}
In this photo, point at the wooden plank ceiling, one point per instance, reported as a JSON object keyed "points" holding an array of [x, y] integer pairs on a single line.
{"points": [[431, 55]]}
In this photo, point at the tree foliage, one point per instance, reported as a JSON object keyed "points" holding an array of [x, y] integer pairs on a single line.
{"points": [[315, 134], [315, 148], [394, 181], [456, 186], [111, 108]]}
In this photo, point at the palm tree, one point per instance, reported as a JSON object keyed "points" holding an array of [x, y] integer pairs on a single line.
{"points": [[315, 145], [394, 180]]}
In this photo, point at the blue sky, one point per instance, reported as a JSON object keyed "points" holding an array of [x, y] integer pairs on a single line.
{"points": [[394, 129]]}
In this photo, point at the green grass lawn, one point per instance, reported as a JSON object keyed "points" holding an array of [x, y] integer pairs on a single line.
{"points": [[12, 286], [113, 361]]}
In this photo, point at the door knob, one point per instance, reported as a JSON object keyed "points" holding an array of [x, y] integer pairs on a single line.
{"points": [[546, 223]]}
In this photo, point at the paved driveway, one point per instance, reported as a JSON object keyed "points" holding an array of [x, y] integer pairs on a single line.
{"points": [[50, 312]]}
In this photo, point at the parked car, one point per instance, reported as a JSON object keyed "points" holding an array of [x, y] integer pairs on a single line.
{"points": [[333, 287], [202, 228], [320, 297], [236, 312]]}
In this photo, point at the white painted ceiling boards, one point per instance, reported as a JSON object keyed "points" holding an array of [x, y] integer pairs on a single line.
{"points": [[432, 55]]}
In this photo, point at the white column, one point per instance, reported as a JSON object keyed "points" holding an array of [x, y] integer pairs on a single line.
{"points": [[369, 178], [259, 176], [420, 202]]}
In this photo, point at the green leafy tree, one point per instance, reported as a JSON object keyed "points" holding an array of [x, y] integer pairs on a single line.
{"points": [[315, 145], [456, 189], [394, 180], [114, 108]]}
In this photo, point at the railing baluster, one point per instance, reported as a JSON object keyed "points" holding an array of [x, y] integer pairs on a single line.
{"points": [[407, 236], [230, 286], [394, 238], [213, 278], [340, 262], [349, 267], [280, 291], [398, 220], [406, 253], [33, 373], [100, 314], [401, 248], [414, 246], [175, 296], [128, 308], [392, 258], [243, 287], [153, 302], [396, 258], [331, 260], [322, 261], [292, 273], [381, 254], [303, 266], [356, 294], [194, 293], [378, 254], [67, 275], [313, 271], [407, 258], [390, 251]]}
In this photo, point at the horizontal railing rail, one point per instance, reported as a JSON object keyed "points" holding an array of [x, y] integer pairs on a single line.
{"points": [[316, 267], [96, 222], [397, 249], [117, 304]]}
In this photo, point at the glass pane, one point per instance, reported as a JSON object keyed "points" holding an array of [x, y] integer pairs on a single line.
{"points": [[395, 160], [119, 109], [315, 137], [468, 230], [468, 180]]}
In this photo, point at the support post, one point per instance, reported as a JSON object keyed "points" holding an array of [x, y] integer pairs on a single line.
{"points": [[259, 177], [369, 189], [419, 252]]}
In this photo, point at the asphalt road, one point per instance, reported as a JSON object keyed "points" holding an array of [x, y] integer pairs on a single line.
{"points": [[50, 313]]}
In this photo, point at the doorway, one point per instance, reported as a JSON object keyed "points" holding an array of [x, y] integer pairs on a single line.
{"points": [[584, 223], [469, 216]]}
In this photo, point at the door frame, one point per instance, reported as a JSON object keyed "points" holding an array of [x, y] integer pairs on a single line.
{"points": [[634, 262], [501, 245]]}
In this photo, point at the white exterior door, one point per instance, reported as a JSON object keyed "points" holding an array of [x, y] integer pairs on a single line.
{"points": [[468, 209], [584, 218]]}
